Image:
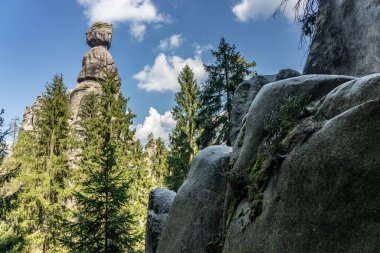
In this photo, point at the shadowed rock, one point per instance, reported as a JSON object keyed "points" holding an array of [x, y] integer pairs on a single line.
{"points": [[194, 221], [160, 201]]}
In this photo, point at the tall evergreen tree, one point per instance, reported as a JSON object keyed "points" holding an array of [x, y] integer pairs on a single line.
{"points": [[184, 136], [103, 221], [157, 155], [14, 127], [41, 184], [3, 134], [228, 71]]}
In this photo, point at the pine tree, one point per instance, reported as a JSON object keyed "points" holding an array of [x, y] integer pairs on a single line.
{"points": [[157, 160], [228, 71], [184, 136], [103, 221], [40, 184], [14, 127], [3, 134]]}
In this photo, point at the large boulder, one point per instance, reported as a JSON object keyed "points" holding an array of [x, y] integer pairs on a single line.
{"points": [[325, 197], [96, 63], [270, 98], [160, 201], [244, 94], [351, 94], [347, 38], [78, 95], [194, 220], [29, 118], [100, 34]]}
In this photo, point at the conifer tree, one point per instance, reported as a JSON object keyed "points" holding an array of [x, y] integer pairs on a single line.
{"points": [[184, 136], [228, 71], [41, 183], [103, 221], [157, 160], [3, 134]]}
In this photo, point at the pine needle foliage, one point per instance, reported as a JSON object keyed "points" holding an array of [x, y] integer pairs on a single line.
{"points": [[103, 221], [39, 190], [183, 139], [228, 71]]}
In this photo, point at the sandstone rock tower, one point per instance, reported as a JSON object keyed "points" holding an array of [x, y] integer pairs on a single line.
{"points": [[97, 62]]}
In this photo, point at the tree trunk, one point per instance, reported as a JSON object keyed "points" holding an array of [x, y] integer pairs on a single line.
{"points": [[347, 38]]}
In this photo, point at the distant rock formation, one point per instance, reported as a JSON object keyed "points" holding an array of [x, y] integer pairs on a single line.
{"points": [[30, 115], [97, 62]]}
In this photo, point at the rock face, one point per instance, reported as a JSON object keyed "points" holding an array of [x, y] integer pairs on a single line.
{"points": [[100, 34], [347, 38], [270, 98], [246, 92], [194, 220], [325, 196], [30, 115], [160, 201], [96, 63]]}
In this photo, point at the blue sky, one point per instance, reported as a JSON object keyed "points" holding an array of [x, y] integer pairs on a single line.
{"points": [[152, 40]]}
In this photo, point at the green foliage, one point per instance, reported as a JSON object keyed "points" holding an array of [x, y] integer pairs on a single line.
{"points": [[185, 134], [228, 71], [37, 192], [157, 160], [103, 220], [278, 125], [3, 134]]}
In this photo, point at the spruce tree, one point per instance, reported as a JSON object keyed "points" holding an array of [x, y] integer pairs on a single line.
{"points": [[3, 134], [103, 221], [41, 183], [228, 71], [157, 160], [184, 136]]}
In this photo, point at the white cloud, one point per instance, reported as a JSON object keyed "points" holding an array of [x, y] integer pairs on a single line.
{"points": [[171, 43], [246, 10], [162, 76], [138, 31], [136, 12], [159, 125]]}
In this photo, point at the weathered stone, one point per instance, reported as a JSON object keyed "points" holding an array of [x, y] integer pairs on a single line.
{"points": [[286, 73], [30, 114], [325, 195], [351, 94], [244, 94], [347, 38], [100, 34], [194, 221], [270, 98], [78, 95], [160, 201], [96, 64]]}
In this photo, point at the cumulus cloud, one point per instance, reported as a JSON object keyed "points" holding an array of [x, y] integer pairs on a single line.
{"points": [[171, 43], [137, 13], [162, 75], [159, 125], [246, 10]]}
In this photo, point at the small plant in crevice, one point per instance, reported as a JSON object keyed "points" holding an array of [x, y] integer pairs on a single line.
{"points": [[284, 128]]}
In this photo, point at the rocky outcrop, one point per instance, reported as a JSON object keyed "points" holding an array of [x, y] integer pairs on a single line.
{"points": [[194, 224], [97, 62], [270, 98], [347, 38], [30, 115], [160, 201], [246, 92], [325, 195]]}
